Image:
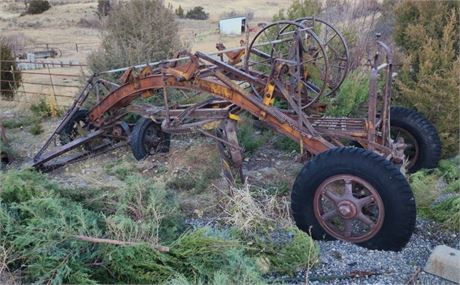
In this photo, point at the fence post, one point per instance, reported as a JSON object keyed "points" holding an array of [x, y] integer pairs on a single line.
{"points": [[54, 104], [1, 70]]}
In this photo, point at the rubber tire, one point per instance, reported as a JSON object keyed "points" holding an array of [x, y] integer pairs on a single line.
{"points": [[393, 188], [137, 135], [424, 133], [66, 132]]}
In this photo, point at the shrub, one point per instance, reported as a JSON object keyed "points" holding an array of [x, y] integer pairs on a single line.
{"points": [[9, 72], [136, 32], [38, 6], [427, 32], [103, 8], [352, 95], [299, 9], [197, 13], [179, 12], [250, 138]]}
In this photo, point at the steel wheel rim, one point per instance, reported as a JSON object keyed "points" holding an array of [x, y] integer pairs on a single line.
{"points": [[409, 139], [150, 139], [356, 212]]}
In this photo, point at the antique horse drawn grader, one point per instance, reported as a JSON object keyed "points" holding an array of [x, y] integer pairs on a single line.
{"points": [[357, 194]]}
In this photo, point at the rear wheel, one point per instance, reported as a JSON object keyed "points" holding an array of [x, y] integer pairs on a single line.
{"points": [[147, 138], [423, 144], [75, 127], [355, 195]]}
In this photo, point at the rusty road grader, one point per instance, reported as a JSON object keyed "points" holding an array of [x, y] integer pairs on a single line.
{"points": [[354, 193]]}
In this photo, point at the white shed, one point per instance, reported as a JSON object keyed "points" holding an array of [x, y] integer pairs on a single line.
{"points": [[232, 26]]}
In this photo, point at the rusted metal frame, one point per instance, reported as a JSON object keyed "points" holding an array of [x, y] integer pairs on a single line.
{"points": [[231, 157], [70, 112], [158, 112], [231, 69], [301, 116], [189, 111], [372, 108], [280, 121], [81, 156], [185, 128], [227, 142], [67, 147], [385, 117]]}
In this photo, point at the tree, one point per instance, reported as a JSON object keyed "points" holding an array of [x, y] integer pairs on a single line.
{"points": [[137, 31], [10, 75], [103, 8], [38, 6], [197, 13], [427, 33], [299, 9], [180, 12]]}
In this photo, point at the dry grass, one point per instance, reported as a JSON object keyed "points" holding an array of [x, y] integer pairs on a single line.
{"points": [[249, 211]]}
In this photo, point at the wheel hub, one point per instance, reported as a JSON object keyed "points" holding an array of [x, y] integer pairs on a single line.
{"points": [[347, 209]]}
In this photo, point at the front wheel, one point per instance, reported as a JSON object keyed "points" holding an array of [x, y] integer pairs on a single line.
{"points": [[355, 195]]}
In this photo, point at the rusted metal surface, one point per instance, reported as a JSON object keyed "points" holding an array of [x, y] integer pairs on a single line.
{"points": [[295, 62], [349, 208]]}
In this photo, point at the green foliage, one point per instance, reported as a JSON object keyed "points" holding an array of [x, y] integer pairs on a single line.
{"points": [[293, 251], [352, 95], [283, 142], [137, 31], [447, 212], [250, 138], [427, 32], [21, 186], [428, 189], [424, 186], [41, 222], [120, 169], [197, 13], [142, 200], [38, 6], [299, 9], [10, 80], [43, 240], [41, 109], [36, 128], [18, 122]]}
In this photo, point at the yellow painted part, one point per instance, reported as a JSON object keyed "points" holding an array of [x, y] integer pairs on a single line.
{"points": [[268, 98], [234, 117]]}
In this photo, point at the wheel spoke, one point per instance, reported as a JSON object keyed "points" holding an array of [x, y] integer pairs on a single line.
{"points": [[365, 219], [329, 215], [366, 201], [332, 196], [348, 188], [348, 227]]}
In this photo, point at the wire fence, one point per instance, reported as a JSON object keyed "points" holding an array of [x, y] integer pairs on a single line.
{"points": [[58, 81]]}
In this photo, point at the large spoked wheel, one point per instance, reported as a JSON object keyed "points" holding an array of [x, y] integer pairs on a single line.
{"points": [[335, 48], [354, 195], [301, 53], [423, 148], [147, 138]]}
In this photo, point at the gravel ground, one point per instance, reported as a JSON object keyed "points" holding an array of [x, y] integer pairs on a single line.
{"points": [[339, 260]]}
